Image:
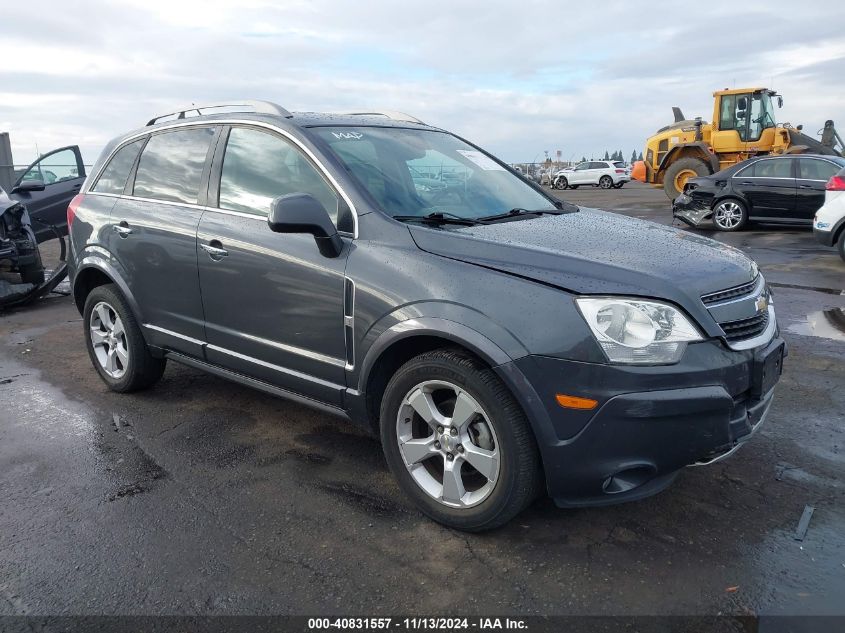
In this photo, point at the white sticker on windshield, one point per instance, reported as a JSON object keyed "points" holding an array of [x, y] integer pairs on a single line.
{"points": [[485, 162], [348, 135]]}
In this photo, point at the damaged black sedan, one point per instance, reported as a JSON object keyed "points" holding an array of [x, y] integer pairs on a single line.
{"points": [[785, 190]]}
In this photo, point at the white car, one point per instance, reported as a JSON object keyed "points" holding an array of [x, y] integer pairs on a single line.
{"points": [[598, 173], [829, 223]]}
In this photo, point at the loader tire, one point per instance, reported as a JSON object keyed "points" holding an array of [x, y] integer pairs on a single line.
{"points": [[679, 172]]}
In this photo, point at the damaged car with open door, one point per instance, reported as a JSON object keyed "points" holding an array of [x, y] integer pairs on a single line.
{"points": [[34, 211], [47, 186]]}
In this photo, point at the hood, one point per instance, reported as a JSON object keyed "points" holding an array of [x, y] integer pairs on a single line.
{"points": [[596, 252], [6, 202]]}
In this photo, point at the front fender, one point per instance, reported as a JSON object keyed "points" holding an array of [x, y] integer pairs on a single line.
{"points": [[445, 319], [453, 331]]}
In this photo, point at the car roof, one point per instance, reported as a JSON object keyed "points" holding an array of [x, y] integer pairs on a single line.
{"points": [[300, 119], [295, 120], [839, 160]]}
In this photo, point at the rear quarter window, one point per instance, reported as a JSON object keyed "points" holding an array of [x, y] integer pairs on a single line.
{"points": [[814, 169], [171, 165], [114, 176]]}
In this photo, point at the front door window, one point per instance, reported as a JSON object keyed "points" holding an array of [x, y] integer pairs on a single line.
{"points": [[53, 168]]}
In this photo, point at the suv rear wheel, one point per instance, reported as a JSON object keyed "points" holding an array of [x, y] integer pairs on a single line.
{"points": [[115, 344], [605, 182], [457, 442]]}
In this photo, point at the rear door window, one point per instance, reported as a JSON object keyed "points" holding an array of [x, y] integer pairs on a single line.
{"points": [[171, 165], [260, 166], [775, 168], [114, 176], [814, 169]]}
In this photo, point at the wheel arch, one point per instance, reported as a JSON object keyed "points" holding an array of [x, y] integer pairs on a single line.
{"points": [[838, 230], [406, 339], [698, 150], [732, 196], [92, 272]]}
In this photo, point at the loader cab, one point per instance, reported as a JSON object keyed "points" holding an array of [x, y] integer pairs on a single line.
{"points": [[744, 120]]}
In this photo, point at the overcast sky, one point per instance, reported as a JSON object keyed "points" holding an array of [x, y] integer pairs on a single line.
{"points": [[517, 78]]}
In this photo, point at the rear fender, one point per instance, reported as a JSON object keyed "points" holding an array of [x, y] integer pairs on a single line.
{"points": [[98, 258]]}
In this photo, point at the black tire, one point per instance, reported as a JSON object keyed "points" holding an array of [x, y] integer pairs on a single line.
{"points": [[683, 164], [733, 208], [619, 185], [840, 245], [519, 479], [606, 182], [141, 370], [561, 183]]}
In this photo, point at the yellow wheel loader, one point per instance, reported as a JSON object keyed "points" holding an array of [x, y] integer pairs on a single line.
{"points": [[743, 126]]}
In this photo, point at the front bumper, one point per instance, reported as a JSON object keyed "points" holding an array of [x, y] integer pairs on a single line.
{"points": [[650, 421], [691, 211]]}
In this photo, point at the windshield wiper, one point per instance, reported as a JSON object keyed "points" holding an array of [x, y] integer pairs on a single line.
{"points": [[438, 218], [515, 213]]}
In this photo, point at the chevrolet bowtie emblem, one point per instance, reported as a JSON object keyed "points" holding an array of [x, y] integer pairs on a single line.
{"points": [[761, 303]]}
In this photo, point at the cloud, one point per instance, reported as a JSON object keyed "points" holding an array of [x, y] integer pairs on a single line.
{"points": [[516, 78]]}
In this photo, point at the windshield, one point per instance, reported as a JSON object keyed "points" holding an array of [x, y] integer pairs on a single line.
{"points": [[420, 172]]}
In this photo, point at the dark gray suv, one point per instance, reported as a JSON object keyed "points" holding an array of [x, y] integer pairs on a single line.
{"points": [[499, 341]]}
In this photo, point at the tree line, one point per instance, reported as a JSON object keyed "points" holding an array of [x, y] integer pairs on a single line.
{"points": [[617, 155]]}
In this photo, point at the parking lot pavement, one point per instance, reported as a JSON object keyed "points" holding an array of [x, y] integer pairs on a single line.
{"points": [[200, 496]]}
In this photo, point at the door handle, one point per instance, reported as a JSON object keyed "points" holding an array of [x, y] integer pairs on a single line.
{"points": [[122, 229], [214, 250], [747, 183], [806, 187]]}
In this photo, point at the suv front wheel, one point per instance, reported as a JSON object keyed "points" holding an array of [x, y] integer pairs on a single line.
{"points": [[457, 442], [115, 343]]}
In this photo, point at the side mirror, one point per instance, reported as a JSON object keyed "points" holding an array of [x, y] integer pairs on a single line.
{"points": [[303, 213], [29, 185]]}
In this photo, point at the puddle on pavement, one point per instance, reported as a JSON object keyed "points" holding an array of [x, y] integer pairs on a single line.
{"points": [[828, 324]]}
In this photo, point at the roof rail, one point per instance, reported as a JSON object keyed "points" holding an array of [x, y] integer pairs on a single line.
{"points": [[262, 107], [390, 114]]}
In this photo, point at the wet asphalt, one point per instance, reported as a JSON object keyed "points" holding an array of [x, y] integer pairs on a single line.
{"points": [[200, 496]]}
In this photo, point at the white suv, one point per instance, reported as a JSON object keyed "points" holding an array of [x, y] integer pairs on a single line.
{"points": [[598, 173], [829, 223]]}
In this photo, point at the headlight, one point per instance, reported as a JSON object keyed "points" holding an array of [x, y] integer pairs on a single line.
{"points": [[633, 331]]}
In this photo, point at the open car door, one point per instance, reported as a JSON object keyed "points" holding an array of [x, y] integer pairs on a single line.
{"points": [[46, 188]]}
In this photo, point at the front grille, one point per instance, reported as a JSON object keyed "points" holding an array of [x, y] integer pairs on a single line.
{"points": [[745, 328], [731, 293]]}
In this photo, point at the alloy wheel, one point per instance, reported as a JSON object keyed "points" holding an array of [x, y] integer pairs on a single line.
{"points": [[605, 183], [108, 339], [448, 444], [728, 215]]}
